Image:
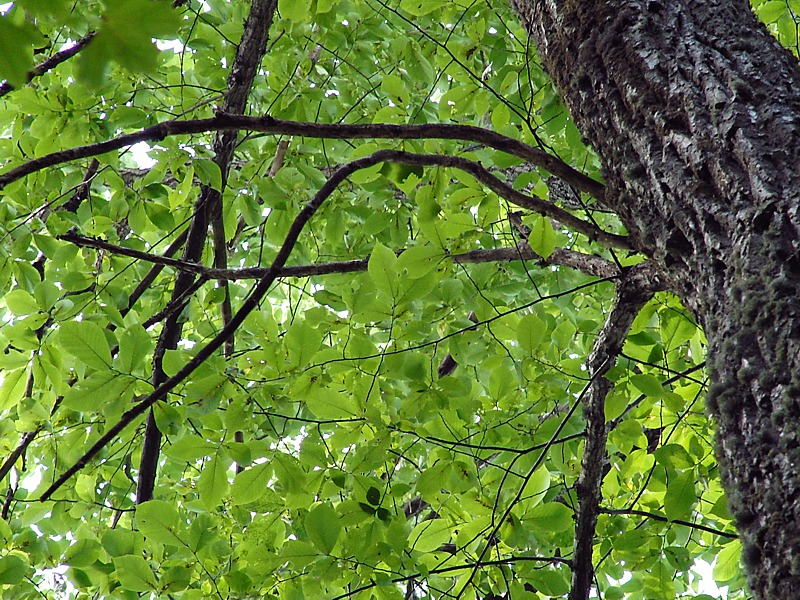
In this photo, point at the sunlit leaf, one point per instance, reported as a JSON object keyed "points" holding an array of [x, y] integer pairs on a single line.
{"points": [[727, 564]]}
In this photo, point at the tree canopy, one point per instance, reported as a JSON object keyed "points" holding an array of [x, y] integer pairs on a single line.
{"points": [[355, 322]]}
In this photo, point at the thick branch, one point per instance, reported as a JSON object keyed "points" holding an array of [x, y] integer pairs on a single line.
{"points": [[224, 121], [208, 208], [633, 291]]}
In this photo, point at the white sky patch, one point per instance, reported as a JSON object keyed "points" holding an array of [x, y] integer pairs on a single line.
{"points": [[707, 583], [175, 45], [139, 153]]}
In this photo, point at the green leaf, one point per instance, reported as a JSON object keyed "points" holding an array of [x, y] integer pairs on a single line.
{"points": [[135, 345], [421, 7], [769, 12], [542, 238], [209, 173], [429, 535], [418, 261], [680, 497], [550, 517], [251, 484], [21, 303], [382, 268], [13, 387], [649, 385], [98, 391], [677, 327], [727, 564], [17, 41], [12, 570], [289, 473], [295, 10], [302, 342], [159, 521], [126, 36], [552, 582], [323, 527], [86, 342], [538, 483], [119, 541], [83, 552], [374, 496], [213, 484], [674, 456], [327, 403], [190, 447], [530, 333], [134, 573]]}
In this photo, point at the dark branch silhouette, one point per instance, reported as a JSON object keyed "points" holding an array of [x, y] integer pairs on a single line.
{"points": [[223, 121]]}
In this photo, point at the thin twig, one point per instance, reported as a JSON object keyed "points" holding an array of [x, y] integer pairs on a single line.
{"points": [[586, 263]]}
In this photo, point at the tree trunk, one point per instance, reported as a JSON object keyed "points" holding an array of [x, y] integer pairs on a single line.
{"points": [[694, 110]]}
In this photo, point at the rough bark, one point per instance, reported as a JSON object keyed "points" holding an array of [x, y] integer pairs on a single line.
{"points": [[694, 110]]}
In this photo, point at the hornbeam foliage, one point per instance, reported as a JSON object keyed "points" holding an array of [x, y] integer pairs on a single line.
{"points": [[357, 362]]}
